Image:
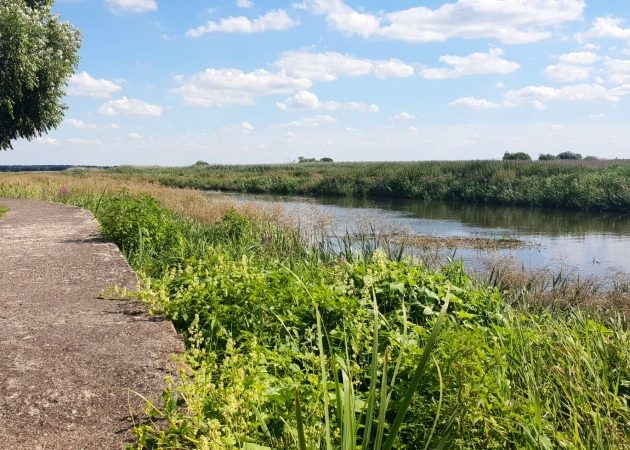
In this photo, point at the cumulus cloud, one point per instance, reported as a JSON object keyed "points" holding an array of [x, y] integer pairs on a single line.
{"points": [[311, 121], [47, 141], [276, 20], [244, 4], [539, 96], [129, 107], [131, 6], [606, 27], [331, 66], [579, 58], [246, 127], [473, 64], [308, 100], [404, 116], [84, 142], [474, 103], [574, 66], [618, 70], [509, 21], [566, 73], [220, 87], [80, 125], [84, 84]]}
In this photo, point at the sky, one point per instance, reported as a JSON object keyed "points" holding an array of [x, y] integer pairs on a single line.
{"points": [[165, 82]]}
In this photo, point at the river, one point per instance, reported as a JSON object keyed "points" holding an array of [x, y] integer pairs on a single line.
{"points": [[574, 242]]}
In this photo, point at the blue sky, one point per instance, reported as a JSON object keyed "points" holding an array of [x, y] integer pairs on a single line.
{"points": [[247, 81]]}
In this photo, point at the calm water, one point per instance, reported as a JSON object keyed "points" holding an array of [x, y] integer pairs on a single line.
{"points": [[576, 242]]}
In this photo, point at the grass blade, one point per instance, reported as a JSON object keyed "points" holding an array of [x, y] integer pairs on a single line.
{"points": [[417, 376]]}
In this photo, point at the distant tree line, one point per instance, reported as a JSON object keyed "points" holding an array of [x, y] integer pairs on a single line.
{"points": [[522, 156], [302, 159]]}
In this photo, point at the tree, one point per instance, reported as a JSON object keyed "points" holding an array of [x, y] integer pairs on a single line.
{"points": [[38, 53], [546, 157], [326, 159], [521, 156], [569, 155]]}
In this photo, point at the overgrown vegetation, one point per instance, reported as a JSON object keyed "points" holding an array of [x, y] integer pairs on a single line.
{"points": [[293, 346], [584, 185], [3, 210]]}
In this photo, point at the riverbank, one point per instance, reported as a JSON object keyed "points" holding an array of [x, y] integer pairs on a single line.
{"points": [[576, 185], [295, 346]]}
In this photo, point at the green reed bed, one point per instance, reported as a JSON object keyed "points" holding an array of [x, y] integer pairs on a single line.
{"points": [[290, 346], [599, 185]]}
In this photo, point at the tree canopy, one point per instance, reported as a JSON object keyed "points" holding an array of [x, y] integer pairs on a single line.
{"points": [[38, 53]]}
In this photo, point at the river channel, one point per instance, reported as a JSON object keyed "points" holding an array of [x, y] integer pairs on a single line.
{"points": [[574, 242]]}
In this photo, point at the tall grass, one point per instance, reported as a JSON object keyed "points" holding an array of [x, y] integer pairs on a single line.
{"points": [[556, 184]]}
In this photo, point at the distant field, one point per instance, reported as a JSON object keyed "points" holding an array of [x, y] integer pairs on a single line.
{"points": [[587, 185]]}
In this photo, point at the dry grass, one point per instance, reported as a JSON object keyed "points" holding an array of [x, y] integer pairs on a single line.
{"points": [[543, 288], [189, 203]]}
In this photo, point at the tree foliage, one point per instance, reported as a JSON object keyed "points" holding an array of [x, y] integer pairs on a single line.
{"points": [[38, 53], [521, 156], [569, 155]]}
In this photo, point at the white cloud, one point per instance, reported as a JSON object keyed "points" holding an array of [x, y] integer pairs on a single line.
{"points": [[129, 107], [473, 64], [311, 121], [80, 125], [566, 73], [220, 87], [47, 141], [134, 136], [538, 96], [474, 103], [618, 70], [330, 66], [244, 4], [83, 84], [246, 127], [574, 66], [276, 20], [131, 6], [606, 27], [509, 21], [404, 116], [308, 100], [84, 142], [579, 58]]}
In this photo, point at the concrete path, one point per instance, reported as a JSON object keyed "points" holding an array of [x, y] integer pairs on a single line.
{"points": [[69, 360]]}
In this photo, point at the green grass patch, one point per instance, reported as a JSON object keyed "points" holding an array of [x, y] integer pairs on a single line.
{"points": [[3, 210]]}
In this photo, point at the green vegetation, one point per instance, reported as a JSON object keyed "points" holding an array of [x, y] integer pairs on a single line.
{"points": [[3, 210], [38, 52], [595, 185], [290, 346], [518, 156]]}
